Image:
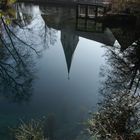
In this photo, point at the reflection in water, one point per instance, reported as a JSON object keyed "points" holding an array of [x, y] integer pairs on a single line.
{"points": [[69, 41], [118, 115], [123, 74], [24, 14], [64, 19], [50, 126], [44, 100], [15, 74], [53, 31], [32, 130]]}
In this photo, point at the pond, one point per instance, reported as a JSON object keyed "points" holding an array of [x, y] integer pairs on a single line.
{"points": [[61, 75]]}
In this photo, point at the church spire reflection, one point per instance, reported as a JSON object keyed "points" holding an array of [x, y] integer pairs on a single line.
{"points": [[104, 31], [69, 42], [69, 39]]}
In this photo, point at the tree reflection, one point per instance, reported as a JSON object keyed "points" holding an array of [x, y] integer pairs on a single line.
{"points": [[118, 116], [16, 64], [16, 75], [123, 74], [23, 18]]}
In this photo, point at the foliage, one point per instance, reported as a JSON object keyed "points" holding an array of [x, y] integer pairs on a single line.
{"points": [[10, 2], [35, 129], [16, 66], [128, 6], [118, 115], [6, 3], [117, 119], [7, 11], [30, 131]]}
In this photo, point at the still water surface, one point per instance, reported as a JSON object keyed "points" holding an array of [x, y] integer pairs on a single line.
{"points": [[65, 77]]}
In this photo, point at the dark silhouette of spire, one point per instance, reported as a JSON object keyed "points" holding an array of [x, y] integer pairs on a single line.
{"points": [[69, 41]]}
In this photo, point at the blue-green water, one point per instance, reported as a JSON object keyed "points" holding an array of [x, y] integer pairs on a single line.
{"points": [[65, 76]]}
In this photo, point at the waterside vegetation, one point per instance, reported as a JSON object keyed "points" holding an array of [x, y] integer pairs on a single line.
{"points": [[118, 116]]}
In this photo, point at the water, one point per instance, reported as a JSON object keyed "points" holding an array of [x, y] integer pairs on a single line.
{"points": [[64, 80]]}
